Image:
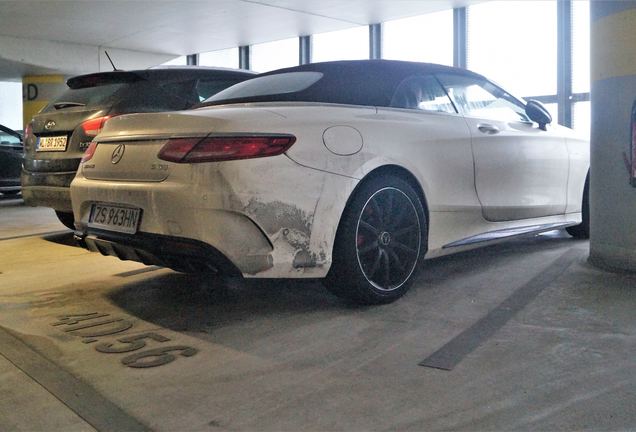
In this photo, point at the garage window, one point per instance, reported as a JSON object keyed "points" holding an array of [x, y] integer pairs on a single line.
{"points": [[349, 44], [514, 44], [424, 38], [274, 55], [228, 58]]}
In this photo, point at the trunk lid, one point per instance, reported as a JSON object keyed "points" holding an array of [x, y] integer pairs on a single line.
{"points": [[141, 136], [127, 161]]}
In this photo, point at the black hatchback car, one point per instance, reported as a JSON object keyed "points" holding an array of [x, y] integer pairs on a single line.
{"points": [[57, 136], [11, 154]]}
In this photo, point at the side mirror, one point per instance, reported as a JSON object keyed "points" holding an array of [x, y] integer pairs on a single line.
{"points": [[538, 113]]}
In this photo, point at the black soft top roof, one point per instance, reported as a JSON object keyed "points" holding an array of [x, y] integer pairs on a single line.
{"points": [[354, 82], [159, 73]]}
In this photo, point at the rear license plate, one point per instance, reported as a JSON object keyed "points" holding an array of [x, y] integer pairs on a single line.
{"points": [[52, 143], [114, 218]]}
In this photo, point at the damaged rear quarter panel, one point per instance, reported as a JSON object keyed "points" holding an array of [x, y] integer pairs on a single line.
{"points": [[297, 208]]}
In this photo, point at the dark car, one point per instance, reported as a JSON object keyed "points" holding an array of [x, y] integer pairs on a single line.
{"points": [[11, 155], [57, 136]]}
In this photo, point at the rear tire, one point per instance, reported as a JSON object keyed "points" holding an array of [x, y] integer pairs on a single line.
{"points": [[582, 230], [380, 239], [66, 218]]}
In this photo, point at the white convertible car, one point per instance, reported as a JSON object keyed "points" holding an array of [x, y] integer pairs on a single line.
{"points": [[351, 171]]}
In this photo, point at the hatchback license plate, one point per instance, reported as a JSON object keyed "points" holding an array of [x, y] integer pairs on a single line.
{"points": [[52, 143], [114, 218]]}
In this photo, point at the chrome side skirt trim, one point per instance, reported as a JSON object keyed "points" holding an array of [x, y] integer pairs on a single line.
{"points": [[508, 233]]}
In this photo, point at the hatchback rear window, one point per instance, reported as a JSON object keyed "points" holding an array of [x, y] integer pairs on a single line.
{"points": [[89, 97]]}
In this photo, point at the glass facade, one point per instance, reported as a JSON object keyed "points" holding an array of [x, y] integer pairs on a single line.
{"points": [[424, 38], [523, 62], [178, 61], [514, 44], [581, 46], [581, 118], [11, 104], [274, 55], [228, 58], [349, 44]]}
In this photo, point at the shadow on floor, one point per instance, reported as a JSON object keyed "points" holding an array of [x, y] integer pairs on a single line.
{"points": [[200, 303], [62, 238]]}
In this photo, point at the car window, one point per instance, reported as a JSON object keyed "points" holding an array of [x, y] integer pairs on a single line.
{"points": [[8, 137], [180, 89], [8, 140], [289, 82], [89, 97], [209, 87], [422, 93], [156, 96], [480, 98]]}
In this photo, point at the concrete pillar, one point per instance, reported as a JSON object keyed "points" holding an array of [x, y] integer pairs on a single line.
{"points": [[37, 92], [612, 195]]}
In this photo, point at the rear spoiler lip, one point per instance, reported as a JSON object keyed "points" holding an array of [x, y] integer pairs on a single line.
{"points": [[102, 78]]}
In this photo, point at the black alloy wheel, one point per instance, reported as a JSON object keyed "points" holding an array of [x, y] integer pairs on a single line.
{"points": [[387, 240], [380, 240]]}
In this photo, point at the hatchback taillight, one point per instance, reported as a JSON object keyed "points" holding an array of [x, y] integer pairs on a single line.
{"points": [[94, 126], [28, 137], [90, 151], [90, 129], [224, 148]]}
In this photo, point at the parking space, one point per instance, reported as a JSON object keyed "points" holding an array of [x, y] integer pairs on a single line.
{"points": [[100, 343]]}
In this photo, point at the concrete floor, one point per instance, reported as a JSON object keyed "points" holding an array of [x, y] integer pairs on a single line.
{"points": [[551, 346]]}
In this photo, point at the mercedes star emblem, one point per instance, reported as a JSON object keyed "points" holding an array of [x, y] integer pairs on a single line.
{"points": [[118, 153]]}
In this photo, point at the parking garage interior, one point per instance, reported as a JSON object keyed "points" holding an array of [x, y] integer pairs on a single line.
{"points": [[535, 333]]}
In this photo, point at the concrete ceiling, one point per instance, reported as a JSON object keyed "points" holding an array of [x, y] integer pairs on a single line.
{"points": [[33, 31]]}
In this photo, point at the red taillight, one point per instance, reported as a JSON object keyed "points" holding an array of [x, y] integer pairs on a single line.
{"points": [[94, 126], [28, 139], [90, 151], [89, 130], [224, 148]]}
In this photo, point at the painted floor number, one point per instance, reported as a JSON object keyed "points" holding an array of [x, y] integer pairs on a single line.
{"points": [[93, 325]]}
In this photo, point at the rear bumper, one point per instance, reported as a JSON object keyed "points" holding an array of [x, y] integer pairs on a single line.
{"points": [[47, 189], [269, 217], [181, 254]]}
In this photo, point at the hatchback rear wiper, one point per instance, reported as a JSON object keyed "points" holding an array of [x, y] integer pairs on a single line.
{"points": [[62, 105]]}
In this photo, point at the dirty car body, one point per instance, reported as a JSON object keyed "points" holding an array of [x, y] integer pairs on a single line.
{"points": [[352, 171], [57, 136]]}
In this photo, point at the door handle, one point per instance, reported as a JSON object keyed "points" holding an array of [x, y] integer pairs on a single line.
{"points": [[488, 128]]}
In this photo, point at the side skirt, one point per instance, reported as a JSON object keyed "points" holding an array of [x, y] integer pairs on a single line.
{"points": [[508, 233]]}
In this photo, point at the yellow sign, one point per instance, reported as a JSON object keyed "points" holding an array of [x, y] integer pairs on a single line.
{"points": [[37, 92], [614, 46]]}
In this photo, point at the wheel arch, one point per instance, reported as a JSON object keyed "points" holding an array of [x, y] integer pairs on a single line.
{"points": [[342, 279], [397, 171]]}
